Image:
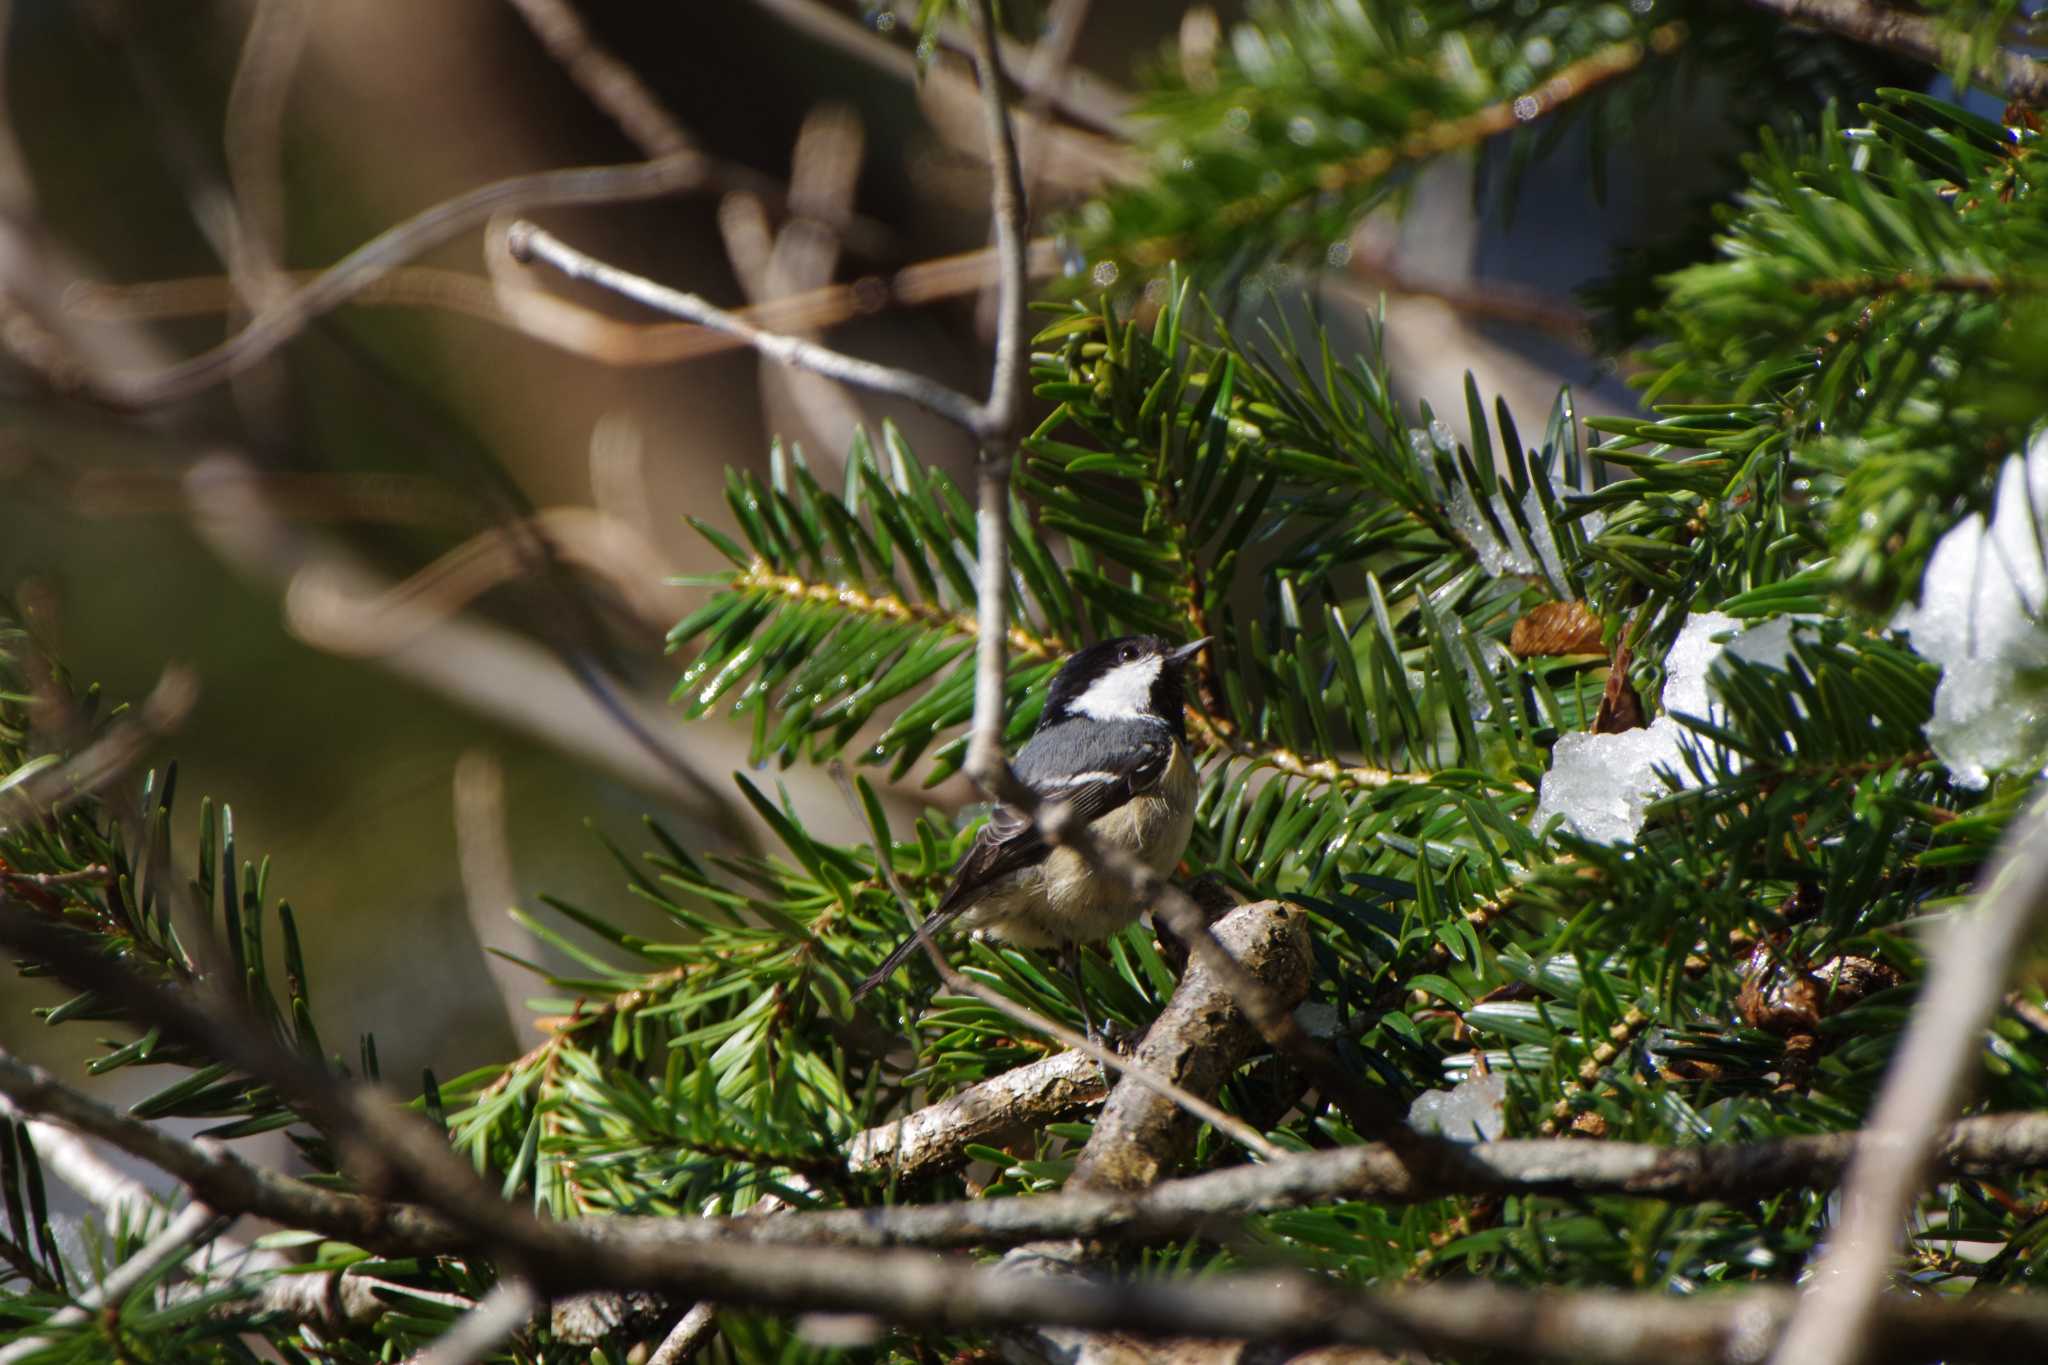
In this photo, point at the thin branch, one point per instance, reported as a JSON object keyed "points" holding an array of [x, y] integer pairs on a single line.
{"points": [[1922, 37], [1010, 378], [192, 1228], [688, 1337], [1375, 1173], [1934, 1068], [570, 326], [275, 326], [529, 243], [986, 765], [116, 749], [253, 138], [215, 1175], [1189, 1206]]}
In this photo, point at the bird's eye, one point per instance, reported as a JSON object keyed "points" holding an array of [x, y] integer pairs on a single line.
{"points": [[1128, 653]]}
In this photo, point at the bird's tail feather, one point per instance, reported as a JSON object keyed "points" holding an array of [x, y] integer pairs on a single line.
{"points": [[903, 950]]}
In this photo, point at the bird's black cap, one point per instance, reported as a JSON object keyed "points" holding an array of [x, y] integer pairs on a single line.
{"points": [[1087, 687]]}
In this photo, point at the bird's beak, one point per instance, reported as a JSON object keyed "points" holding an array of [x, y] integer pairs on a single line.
{"points": [[1180, 658]]}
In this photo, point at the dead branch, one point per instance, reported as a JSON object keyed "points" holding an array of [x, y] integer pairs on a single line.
{"points": [[1199, 1039], [1923, 37], [1024, 1097]]}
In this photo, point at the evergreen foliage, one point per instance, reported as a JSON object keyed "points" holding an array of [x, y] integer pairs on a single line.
{"points": [[1831, 392]]}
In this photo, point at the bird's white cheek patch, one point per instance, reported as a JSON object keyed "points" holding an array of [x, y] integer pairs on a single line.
{"points": [[1123, 693]]}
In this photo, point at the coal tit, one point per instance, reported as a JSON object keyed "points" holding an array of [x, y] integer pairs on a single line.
{"points": [[1112, 741]]}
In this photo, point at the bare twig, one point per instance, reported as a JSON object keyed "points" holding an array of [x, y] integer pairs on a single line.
{"points": [[1923, 37], [215, 1175], [192, 1228], [572, 327], [254, 136], [114, 752], [275, 326], [1175, 1208], [1007, 383], [687, 1337], [507, 1309], [1929, 1076], [528, 242], [985, 763]]}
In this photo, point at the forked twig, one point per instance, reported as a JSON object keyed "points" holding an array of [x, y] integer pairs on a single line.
{"points": [[276, 325]]}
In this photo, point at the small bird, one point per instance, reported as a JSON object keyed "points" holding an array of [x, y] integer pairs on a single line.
{"points": [[1112, 741]]}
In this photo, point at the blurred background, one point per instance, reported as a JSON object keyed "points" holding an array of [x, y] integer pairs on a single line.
{"points": [[416, 556]]}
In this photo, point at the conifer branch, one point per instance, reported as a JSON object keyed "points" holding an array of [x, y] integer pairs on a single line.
{"points": [[1215, 731], [1922, 37], [1436, 137], [759, 577]]}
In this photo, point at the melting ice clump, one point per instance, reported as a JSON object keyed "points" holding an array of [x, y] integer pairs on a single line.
{"points": [[1603, 784], [1980, 617], [1470, 1111], [1516, 554]]}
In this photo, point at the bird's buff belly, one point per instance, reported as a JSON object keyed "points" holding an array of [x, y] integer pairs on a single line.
{"points": [[1058, 902]]}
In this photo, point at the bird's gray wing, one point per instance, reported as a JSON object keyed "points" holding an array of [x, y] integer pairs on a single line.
{"points": [[1092, 766]]}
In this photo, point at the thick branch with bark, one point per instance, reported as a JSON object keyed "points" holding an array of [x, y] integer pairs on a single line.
{"points": [[932, 1138], [1199, 1039], [1176, 1208], [1922, 37]]}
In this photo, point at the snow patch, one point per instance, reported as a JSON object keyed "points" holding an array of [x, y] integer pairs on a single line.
{"points": [[1603, 785], [1980, 617], [1474, 1110]]}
